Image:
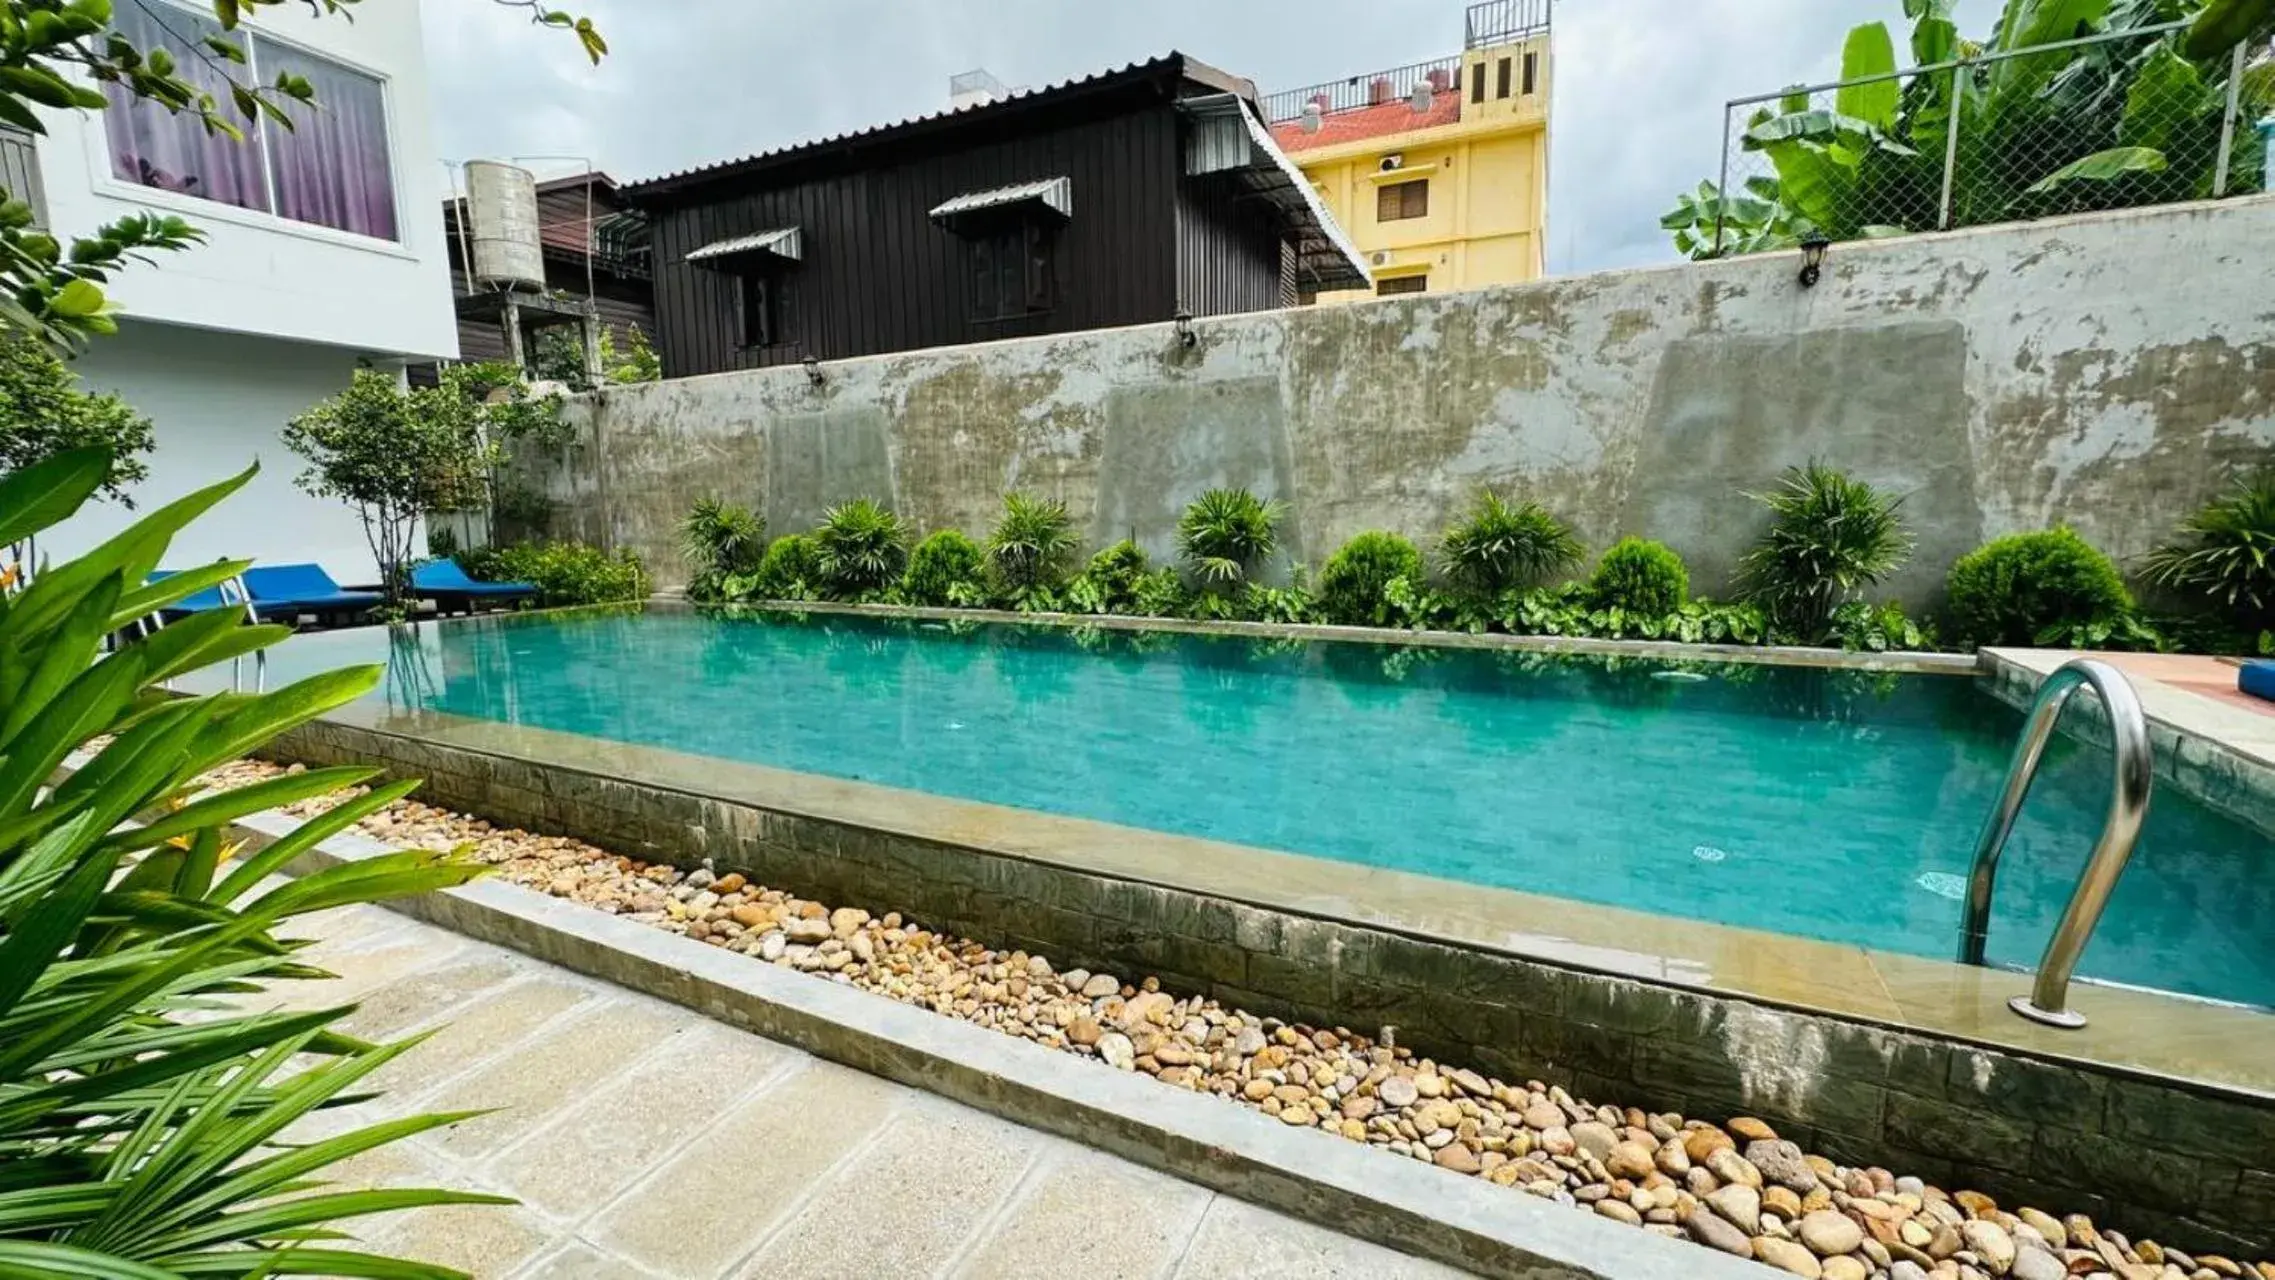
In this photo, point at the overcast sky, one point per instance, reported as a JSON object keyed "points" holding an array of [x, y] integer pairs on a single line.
{"points": [[1636, 114]]}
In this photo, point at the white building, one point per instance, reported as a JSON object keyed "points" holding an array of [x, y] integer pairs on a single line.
{"points": [[323, 250]]}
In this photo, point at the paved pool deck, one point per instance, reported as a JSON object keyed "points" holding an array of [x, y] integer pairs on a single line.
{"points": [[644, 1140]]}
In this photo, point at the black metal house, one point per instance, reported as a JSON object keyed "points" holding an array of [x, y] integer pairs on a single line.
{"points": [[1124, 198]]}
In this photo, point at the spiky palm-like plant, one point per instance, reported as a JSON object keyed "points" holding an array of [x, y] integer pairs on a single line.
{"points": [[1032, 545], [2225, 555], [1499, 546], [862, 547], [720, 539], [1831, 536], [1226, 533]]}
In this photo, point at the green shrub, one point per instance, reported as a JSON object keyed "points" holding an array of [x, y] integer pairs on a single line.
{"points": [[564, 573], [143, 1130], [947, 569], [719, 540], [1030, 549], [1857, 626], [790, 570], [2225, 556], [1354, 585], [1113, 581], [1830, 537], [1640, 577], [864, 548], [2017, 589], [1226, 533], [1498, 547]]}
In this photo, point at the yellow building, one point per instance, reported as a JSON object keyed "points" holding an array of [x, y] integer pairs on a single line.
{"points": [[1438, 171]]}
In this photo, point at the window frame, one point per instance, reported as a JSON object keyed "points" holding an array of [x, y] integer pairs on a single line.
{"points": [[1501, 80], [106, 183], [1530, 77], [1388, 192], [772, 326], [1398, 286], [1036, 245]]}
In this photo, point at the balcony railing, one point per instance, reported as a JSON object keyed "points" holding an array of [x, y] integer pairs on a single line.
{"points": [[1495, 22], [1370, 90], [1498, 22]]}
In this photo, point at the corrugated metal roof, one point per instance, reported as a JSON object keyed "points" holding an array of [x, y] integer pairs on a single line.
{"points": [[1323, 250], [1054, 193], [783, 242], [1172, 61]]}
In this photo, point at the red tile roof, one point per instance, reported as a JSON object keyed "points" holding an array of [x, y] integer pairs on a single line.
{"points": [[1395, 116]]}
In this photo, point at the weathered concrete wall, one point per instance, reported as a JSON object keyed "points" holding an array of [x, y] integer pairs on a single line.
{"points": [[2108, 371]]}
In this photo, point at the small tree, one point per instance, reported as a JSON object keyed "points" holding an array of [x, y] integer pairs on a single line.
{"points": [[44, 412], [397, 453]]}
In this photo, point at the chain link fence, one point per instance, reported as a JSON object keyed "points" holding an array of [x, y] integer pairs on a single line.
{"points": [[2105, 122]]}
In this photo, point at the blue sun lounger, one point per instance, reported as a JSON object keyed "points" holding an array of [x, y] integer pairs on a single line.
{"points": [[226, 595], [2257, 679], [283, 592], [448, 586]]}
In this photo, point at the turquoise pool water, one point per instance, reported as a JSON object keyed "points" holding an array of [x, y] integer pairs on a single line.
{"points": [[1835, 805]]}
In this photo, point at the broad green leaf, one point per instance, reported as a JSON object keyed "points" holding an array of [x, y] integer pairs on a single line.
{"points": [[77, 300], [45, 494], [279, 853], [225, 807], [1870, 55], [2102, 166], [2167, 96]]}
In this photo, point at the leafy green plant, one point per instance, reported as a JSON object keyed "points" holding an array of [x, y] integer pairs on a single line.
{"points": [[564, 573], [2225, 555], [147, 1128], [864, 548], [719, 540], [1030, 550], [790, 570], [1226, 533], [2017, 589], [1112, 581], [1355, 583], [1861, 627], [1289, 604], [947, 569], [1641, 578], [44, 412], [1498, 547], [1830, 537]]}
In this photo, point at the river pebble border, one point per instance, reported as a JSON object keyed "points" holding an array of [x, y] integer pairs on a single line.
{"points": [[1737, 1187]]}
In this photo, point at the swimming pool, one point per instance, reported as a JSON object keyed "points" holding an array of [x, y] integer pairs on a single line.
{"points": [[1839, 805]]}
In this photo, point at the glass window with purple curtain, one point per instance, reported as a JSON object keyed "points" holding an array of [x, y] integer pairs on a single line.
{"points": [[154, 147], [331, 166]]}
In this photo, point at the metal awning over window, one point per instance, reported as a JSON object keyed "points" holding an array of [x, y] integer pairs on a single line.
{"points": [[1052, 195], [781, 245], [1227, 138]]}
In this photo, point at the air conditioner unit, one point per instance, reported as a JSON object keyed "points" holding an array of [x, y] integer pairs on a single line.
{"points": [[1379, 258], [1393, 163]]}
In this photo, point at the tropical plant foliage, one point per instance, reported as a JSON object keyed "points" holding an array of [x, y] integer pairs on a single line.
{"points": [[2037, 588], [1498, 546], [1121, 579], [564, 573], [863, 548], [1354, 585], [397, 453], [719, 540], [1031, 547], [1226, 533], [45, 412], [1830, 537], [947, 569], [1640, 577], [144, 1129], [790, 570], [2225, 555], [2098, 126]]}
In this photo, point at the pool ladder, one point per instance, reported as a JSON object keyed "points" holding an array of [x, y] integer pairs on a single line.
{"points": [[2048, 1001]]}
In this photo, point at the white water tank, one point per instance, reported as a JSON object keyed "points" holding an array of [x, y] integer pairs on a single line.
{"points": [[501, 216]]}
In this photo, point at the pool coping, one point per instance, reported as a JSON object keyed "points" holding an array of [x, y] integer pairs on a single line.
{"points": [[2154, 1036], [1917, 662]]}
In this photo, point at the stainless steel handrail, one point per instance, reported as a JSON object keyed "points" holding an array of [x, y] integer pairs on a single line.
{"points": [[2134, 771]]}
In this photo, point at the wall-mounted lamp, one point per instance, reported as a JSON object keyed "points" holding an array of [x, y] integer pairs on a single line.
{"points": [[1813, 247], [1186, 338], [814, 371]]}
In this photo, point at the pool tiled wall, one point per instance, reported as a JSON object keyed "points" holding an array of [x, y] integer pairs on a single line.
{"points": [[2183, 1163]]}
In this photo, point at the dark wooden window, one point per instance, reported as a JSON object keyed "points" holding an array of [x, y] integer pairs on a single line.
{"points": [[1501, 80], [1402, 284], [1532, 74], [1477, 83], [1397, 201], [1013, 272], [758, 307]]}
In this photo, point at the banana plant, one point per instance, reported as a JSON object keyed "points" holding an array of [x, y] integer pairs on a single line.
{"points": [[145, 1127], [2107, 125]]}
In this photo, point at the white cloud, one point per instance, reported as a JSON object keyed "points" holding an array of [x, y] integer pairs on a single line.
{"points": [[1637, 113]]}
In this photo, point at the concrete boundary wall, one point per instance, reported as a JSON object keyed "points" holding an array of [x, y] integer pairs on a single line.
{"points": [[2109, 371], [2178, 1161]]}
